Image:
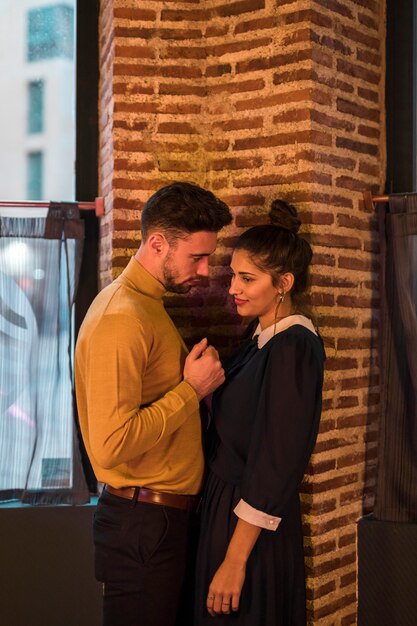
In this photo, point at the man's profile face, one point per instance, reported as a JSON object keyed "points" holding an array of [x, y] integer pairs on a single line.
{"points": [[186, 264]]}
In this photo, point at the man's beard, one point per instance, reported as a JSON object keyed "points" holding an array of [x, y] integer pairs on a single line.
{"points": [[169, 277]]}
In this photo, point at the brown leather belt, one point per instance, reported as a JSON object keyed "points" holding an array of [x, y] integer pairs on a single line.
{"points": [[141, 494]]}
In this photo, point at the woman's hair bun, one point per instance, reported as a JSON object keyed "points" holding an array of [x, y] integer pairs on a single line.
{"points": [[284, 215]]}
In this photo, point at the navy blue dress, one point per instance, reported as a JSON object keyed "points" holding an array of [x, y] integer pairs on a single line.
{"points": [[265, 421]]}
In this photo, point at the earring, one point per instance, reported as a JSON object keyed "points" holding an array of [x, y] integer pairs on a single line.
{"points": [[282, 297]]}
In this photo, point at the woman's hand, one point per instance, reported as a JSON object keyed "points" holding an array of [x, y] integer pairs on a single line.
{"points": [[225, 588]]}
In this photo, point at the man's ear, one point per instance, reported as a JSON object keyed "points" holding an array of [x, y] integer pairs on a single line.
{"points": [[158, 244]]}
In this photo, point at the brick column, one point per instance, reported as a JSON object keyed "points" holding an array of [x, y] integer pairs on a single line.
{"points": [[257, 99]]}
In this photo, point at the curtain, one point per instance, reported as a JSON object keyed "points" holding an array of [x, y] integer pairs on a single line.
{"points": [[40, 260], [396, 490]]}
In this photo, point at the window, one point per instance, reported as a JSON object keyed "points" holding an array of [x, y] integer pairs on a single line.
{"points": [[35, 107], [39, 112], [50, 32], [34, 176]]}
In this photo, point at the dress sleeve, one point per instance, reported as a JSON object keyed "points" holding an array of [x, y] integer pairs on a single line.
{"points": [[120, 428], [286, 424]]}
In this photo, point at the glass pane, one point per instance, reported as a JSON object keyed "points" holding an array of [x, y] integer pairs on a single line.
{"points": [[37, 118], [35, 175], [35, 103]]}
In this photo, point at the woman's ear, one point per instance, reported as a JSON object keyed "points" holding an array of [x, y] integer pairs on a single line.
{"points": [[286, 282]]}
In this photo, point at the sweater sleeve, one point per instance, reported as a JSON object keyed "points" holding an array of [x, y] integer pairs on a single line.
{"points": [[120, 428], [286, 424]]}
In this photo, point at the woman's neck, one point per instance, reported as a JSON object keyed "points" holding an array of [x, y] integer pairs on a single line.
{"points": [[283, 310]]}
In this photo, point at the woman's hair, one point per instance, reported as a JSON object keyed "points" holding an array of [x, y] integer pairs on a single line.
{"points": [[276, 248]]}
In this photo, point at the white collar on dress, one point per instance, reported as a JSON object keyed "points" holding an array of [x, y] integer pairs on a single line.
{"points": [[291, 320]]}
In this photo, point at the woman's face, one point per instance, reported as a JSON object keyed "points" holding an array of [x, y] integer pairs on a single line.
{"points": [[252, 289]]}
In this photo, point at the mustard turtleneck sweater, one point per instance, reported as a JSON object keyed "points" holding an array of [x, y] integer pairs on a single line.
{"points": [[139, 420]]}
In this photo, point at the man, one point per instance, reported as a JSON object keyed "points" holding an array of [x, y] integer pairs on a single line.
{"points": [[138, 399]]}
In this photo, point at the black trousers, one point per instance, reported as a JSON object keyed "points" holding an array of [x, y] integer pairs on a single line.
{"points": [[144, 555]]}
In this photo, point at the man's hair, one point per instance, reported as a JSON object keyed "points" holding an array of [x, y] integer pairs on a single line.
{"points": [[183, 208]]}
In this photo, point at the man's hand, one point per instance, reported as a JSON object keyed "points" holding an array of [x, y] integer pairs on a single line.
{"points": [[203, 370]]}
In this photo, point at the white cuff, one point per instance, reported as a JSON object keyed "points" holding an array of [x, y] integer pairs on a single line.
{"points": [[258, 518]]}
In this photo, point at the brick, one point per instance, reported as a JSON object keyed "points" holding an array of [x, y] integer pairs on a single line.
{"points": [[351, 459], [357, 301], [310, 16], [334, 321], [357, 110], [355, 495], [355, 263], [134, 52], [133, 14], [182, 90], [331, 483], [131, 89], [216, 30], [216, 145], [247, 221], [325, 280], [368, 21], [283, 139], [335, 7], [331, 43], [347, 182], [354, 343], [321, 468], [220, 50], [333, 607], [323, 259], [233, 163], [132, 166], [176, 128], [284, 98], [347, 402], [356, 146], [171, 165], [335, 443], [368, 94], [243, 200], [348, 620], [320, 548], [359, 37], [218, 70], [368, 168], [239, 87], [323, 590], [357, 71], [325, 157], [184, 52], [184, 15], [370, 58], [256, 25], [180, 71], [238, 8], [347, 540], [180, 34], [240, 124], [369, 131], [267, 62]]}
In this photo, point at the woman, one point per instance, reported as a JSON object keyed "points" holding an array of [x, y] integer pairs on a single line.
{"points": [[250, 565]]}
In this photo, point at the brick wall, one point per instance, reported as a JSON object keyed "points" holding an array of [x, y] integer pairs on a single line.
{"points": [[257, 99]]}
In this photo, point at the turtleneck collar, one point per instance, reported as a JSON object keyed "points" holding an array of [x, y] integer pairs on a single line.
{"points": [[138, 278]]}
